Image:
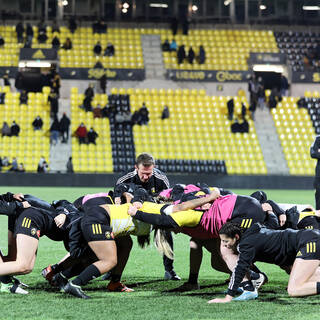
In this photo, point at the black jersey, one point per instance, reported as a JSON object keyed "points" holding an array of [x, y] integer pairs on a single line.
{"points": [[157, 182], [258, 243]]}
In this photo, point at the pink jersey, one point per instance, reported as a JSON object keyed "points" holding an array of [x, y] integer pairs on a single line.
{"points": [[95, 195], [213, 219]]}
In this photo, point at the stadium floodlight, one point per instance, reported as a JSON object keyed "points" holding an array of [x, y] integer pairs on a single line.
{"points": [[65, 2], [158, 5], [311, 8], [126, 5], [263, 7], [194, 8], [267, 68], [124, 10], [227, 2]]}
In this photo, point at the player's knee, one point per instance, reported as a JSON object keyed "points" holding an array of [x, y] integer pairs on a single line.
{"points": [[24, 267], [292, 291], [193, 245]]}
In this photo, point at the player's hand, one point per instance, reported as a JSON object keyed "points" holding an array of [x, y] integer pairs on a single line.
{"points": [[226, 299], [282, 219], [128, 196], [132, 211], [137, 204], [266, 207], [215, 193], [117, 200], [18, 196], [60, 220], [26, 204]]}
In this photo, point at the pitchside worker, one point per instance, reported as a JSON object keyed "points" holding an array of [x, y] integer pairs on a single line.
{"points": [[154, 181]]}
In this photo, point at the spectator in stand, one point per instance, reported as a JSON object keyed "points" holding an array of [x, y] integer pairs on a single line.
{"points": [[181, 54], [136, 118], [37, 123], [54, 131], [56, 84], [42, 166], [24, 97], [64, 128], [191, 55], [174, 25], [274, 98], [81, 133], [261, 95], [55, 42], [69, 166], [144, 112], [19, 82], [20, 31], [89, 92], [42, 27], [99, 27], [5, 161], [284, 86], [42, 37], [6, 81], [29, 33], [15, 129], [103, 83], [21, 168], [166, 46], [72, 25], [55, 27], [67, 44], [92, 136], [2, 42], [97, 112], [41, 162], [165, 113], [202, 55], [230, 106], [5, 131], [173, 45], [97, 49], [86, 105], [2, 97], [14, 165], [98, 65], [109, 51], [54, 104]]}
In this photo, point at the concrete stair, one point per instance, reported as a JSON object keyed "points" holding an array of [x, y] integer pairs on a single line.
{"points": [[270, 143], [60, 153]]}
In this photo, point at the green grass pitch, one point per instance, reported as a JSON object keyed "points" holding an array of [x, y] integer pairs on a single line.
{"points": [[152, 298]]}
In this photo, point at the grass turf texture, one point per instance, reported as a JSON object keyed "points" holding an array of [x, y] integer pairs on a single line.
{"points": [[152, 298]]}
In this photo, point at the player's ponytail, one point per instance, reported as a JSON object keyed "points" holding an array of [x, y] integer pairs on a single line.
{"points": [[162, 244]]}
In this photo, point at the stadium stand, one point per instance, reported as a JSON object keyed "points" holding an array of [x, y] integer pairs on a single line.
{"points": [[91, 158], [296, 134], [30, 145], [299, 47], [225, 49]]}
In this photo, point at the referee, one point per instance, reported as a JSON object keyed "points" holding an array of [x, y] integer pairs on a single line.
{"points": [[154, 181]]}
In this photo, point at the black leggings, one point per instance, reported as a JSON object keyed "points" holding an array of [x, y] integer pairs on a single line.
{"points": [[247, 211]]}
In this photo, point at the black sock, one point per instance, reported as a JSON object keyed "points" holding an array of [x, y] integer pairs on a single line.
{"points": [[247, 285], [5, 279], [318, 287], [193, 277], [116, 277], [86, 275], [56, 268], [254, 275]]}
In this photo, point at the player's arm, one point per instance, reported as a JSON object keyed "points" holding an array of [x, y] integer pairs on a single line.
{"points": [[191, 204], [158, 220]]}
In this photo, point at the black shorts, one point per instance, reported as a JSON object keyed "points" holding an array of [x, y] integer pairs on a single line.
{"points": [[30, 222], [95, 225], [309, 245], [310, 222]]}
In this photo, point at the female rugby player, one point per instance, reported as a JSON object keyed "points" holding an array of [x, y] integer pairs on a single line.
{"points": [[299, 248]]}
